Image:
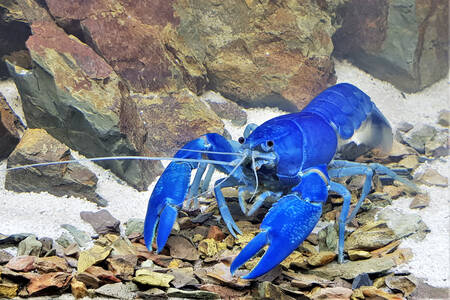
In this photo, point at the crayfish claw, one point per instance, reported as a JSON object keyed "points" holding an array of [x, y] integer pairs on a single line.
{"points": [[284, 228]]}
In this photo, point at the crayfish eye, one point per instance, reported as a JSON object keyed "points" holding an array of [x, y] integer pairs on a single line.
{"points": [[241, 140], [269, 144]]}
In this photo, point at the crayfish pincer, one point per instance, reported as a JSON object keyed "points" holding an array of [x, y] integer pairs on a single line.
{"points": [[289, 159]]}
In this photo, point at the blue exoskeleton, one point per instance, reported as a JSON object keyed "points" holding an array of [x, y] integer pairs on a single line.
{"points": [[289, 159]]}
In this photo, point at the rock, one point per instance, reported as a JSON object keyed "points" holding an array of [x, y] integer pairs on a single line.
{"points": [[328, 238], [48, 281], [81, 237], [362, 279], [444, 118], [123, 246], [215, 233], [402, 224], [210, 247], [420, 201], [13, 239], [225, 109], [221, 272], [351, 269], [91, 281], [92, 256], [400, 42], [404, 284], [65, 240], [8, 290], [47, 247], [409, 162], [337, 293], [371, 236], [267, 290], [118, 290], [418, 137], [370, 292], [303, 281], [294, 259], [51, 264], [183, 277], [77, 97], [174, 119], [29, 246], [78, 289], [358, 254], [152, 293], [37, 146], [437, 146], [180, 247], [134, 226], [103, 275], [431, 177], [102, 221], [122, 266], [144, 276], [389, 248], [176, 293], [223, 291], [72, 250], [11, 129], [21, 263], [5, 257], [321, 258]]}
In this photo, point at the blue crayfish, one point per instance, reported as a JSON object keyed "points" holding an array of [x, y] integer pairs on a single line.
{"points": [[288, 159]]}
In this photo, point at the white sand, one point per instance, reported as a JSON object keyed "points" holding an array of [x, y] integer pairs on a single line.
{"points": [[42, 214]]}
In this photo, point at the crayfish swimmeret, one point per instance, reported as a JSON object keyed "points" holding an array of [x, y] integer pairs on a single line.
{"points": [[288, 159]]}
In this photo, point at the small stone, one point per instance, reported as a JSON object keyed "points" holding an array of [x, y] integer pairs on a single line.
{"points": [[389, 248], [81, 237], [102, 221], [267, 290], [328, 238], [393, 191], [144, 276], [303, 281], [402, 224], [437, 146], [21, 263], [409, 162], [72, 250], [418, 137], [432, 177], [47, 246], [321, 258], [91, 257], [223, 291], [405, 126], [5, 257], [122, 266], [197, 238], [78, 289], [181, 248], [221, 272], [8, 290], [51, 264], [118, 290], [210, 247], [420, 201], [371, 292], [358, 254], [55, 280], [29, 246], [229, 241], [199, 294], [335, 293], [65, 240], [122, 246], [444, 118], [294, 258], [153, 293], [371, 236], [105, 276], [404, 284], [216, 233], [183, 277], [134, 226], [362, 279], [88, 279]]}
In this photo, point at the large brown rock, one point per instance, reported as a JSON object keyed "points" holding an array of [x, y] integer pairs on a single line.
{"points": [[11, 128], [73, 179], [173, 119], [404, 42], [260, 52], [78, 98], [255, 52]]}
